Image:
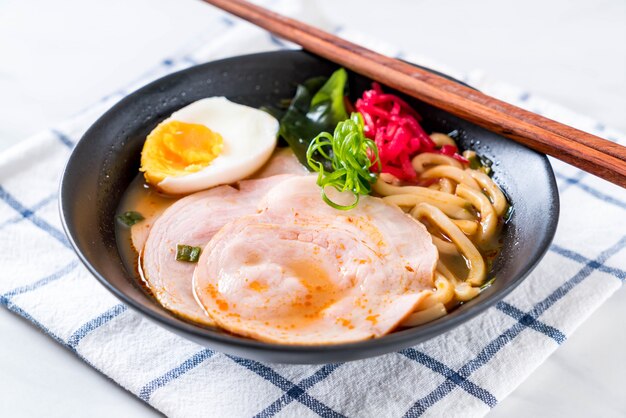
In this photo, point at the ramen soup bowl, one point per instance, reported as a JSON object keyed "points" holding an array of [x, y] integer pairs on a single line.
{"points": [[106, 160]]}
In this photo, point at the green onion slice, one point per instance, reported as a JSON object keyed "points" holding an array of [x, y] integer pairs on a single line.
{"points": [[488, 283], [479, 162], [508, 214], [187, 253], [130, 218], [351, 155]]}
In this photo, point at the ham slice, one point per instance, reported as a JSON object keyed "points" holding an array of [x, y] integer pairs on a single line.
{"points": [[193, 220], [301, 272]]}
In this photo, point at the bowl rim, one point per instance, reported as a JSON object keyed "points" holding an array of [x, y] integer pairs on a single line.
{"points": [[308, 354]]}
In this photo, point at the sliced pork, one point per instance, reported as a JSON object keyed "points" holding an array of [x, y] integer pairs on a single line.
{"points": [[301, 272], [283, 161], [193, 220]]}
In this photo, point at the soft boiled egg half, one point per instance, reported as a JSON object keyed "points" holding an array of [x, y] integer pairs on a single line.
{"points": [[210, 142]]}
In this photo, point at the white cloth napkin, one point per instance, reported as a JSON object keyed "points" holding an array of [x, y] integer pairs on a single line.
{"points": [[462, 373]]}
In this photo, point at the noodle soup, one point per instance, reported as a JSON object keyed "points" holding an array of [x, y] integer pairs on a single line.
{"points": [[397, 228]]}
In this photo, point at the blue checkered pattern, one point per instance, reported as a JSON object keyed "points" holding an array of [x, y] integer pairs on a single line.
{"points": [[459, 373]]}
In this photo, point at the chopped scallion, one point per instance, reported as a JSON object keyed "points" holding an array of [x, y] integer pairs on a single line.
{"points": [[508, 214], [478, 162], [488, 283], [187, 253], [474, 162], [130, 218]]}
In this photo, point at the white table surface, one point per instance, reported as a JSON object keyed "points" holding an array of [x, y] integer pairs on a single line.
{"points": [[57, 57]]}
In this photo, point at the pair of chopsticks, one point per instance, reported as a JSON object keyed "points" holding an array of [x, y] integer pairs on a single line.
{"points": [[588, 152]]}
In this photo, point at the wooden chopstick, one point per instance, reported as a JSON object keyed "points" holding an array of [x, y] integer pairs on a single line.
{"points": [[588, 152]]}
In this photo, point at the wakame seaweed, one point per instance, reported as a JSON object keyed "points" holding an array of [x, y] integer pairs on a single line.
{"points": [[318, 106]]}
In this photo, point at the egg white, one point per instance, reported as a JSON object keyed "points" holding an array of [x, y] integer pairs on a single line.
{"points": [[249, 137]]}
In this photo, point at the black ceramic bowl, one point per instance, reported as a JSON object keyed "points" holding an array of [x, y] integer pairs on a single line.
{"points": [[107, 158]]}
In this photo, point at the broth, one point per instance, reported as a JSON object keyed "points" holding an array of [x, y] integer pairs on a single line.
{"points": [[142, 198]]}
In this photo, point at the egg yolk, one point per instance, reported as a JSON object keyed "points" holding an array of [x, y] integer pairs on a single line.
{"points": [[178, 148]]}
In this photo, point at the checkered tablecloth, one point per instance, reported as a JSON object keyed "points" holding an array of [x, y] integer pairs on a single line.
{"points": [[462, 373]]}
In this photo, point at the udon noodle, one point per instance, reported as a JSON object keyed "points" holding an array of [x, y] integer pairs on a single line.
{"points": [[464, 210]]}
